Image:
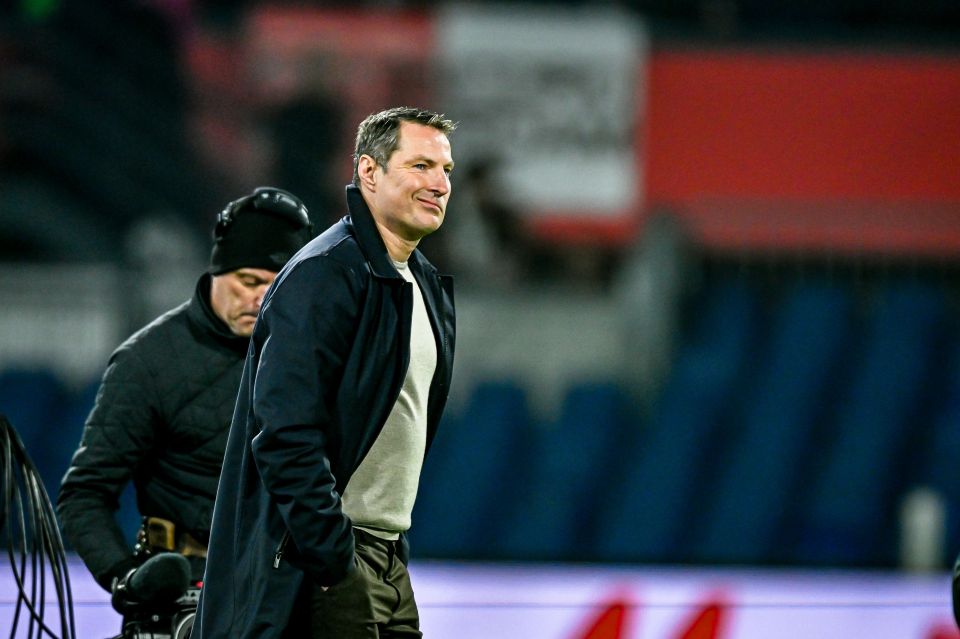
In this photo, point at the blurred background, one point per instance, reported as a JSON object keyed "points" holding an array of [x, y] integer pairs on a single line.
{"points": [[706, 251]]}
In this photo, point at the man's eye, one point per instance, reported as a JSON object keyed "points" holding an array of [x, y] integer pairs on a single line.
{"points": [[421, 165]]}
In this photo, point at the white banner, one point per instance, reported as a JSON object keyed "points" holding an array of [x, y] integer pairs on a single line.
{"points": [[583, 602], [549, 96], [487, 601]]}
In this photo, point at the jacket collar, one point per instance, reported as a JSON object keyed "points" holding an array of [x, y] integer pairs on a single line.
{"points": [[368, 236], [371, 243], [201, 313]]}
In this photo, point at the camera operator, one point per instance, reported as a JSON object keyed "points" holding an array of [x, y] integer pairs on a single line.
{"points": [[164, 408]]}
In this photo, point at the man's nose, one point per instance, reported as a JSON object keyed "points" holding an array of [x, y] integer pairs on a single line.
{"points": [[440, 182], [261, 292]]}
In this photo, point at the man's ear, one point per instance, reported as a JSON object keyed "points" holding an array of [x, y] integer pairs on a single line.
{"points": [[367, 172]]}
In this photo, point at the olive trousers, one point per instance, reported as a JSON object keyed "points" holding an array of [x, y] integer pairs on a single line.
{"points": [[375, 602]]}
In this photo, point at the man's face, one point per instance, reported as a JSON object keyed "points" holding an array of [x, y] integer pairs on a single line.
{"points": [[236, 297], [409, 196]]}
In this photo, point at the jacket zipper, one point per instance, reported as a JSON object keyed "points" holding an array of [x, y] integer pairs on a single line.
{"points": [[283, 544]]}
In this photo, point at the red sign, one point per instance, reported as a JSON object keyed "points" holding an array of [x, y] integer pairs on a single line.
{"points": [[807, 150]]}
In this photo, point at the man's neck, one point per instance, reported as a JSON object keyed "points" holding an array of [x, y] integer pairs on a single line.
{"points": [[398, 248]]}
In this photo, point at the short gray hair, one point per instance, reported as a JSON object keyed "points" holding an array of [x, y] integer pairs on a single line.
{"points": [[379, 134]]}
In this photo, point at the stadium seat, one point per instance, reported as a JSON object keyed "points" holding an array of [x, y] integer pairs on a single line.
{"points": [[75, 414], [850, 519], [471, 474], [938, 467], [650, 505], [763, 462], [569, 466], [35, 401]]}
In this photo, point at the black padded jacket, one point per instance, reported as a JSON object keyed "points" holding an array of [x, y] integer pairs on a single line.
{"points": [[160, 419]]}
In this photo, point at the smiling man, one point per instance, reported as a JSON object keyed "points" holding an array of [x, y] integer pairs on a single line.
{"points": [[165, 403], [344, 385]]}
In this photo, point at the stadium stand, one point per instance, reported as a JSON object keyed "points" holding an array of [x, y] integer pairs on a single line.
{"points": [[768, 446], [850, 511], [660, 478], [472, 475]]}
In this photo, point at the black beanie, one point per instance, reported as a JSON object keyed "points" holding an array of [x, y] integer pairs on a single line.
{"points": [[257, 232]]}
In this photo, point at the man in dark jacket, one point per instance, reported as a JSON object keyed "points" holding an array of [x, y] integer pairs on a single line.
{"points": [[166, 399], [347, 376]]}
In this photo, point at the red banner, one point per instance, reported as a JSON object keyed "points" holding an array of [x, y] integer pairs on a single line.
{"points": [[831, 150]]}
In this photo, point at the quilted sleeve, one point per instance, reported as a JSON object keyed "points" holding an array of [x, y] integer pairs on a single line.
{"points": [[117, 436]]}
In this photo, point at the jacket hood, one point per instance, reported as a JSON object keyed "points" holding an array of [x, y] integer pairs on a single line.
{"points": [[202, 316]]}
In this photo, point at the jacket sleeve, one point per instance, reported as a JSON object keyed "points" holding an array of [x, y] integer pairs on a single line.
{"points": [[305, 333], [117, 435]]}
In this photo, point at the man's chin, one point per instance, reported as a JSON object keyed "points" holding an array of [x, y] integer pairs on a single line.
{"points": [[430, 224], [243, 327]]}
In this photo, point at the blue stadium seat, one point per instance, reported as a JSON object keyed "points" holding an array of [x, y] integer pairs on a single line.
{"points": [[939, 466], [850, 519], [569, 468], [765, 460], [75, 413], [35, 401], [471, 474], [649, 506]]}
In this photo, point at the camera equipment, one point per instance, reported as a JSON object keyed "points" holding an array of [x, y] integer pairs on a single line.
{"points": [[161, 579], [157, 600], [173, 620], [27, 515]]}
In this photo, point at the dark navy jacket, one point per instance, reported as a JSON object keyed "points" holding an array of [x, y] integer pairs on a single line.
{"points": [[326, 362]]}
